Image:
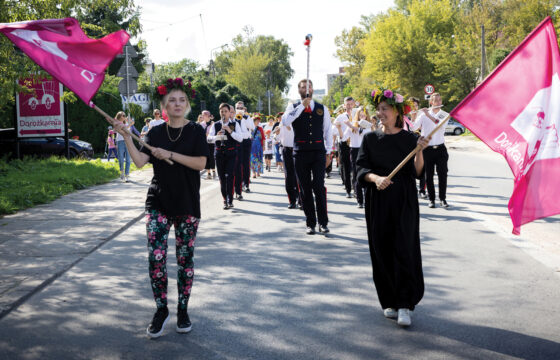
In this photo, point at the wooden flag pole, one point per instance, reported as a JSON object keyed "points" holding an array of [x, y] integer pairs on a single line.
{"points": [[110, 121], [418, 148]]}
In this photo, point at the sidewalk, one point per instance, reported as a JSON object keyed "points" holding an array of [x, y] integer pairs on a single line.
{"points": [[40, 243]]}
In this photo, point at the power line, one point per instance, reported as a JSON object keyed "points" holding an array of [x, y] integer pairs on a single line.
{"points": [[172, 24]]}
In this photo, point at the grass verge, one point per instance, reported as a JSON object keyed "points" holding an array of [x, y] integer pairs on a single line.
{"points": [[31, 181]]}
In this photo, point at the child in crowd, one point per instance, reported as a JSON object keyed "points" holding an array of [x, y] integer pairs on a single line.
{"points": [[268, 149], [111, 147]]}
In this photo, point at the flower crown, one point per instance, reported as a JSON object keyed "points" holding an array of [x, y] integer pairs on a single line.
{"points": [[392, 98], [172, 84]]}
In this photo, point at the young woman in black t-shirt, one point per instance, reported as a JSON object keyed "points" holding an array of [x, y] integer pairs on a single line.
{"points": [[173, 197]]}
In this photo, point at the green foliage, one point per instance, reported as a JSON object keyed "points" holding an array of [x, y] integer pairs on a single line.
{"points": [[255, 65], [435, 41], [29, 182]]}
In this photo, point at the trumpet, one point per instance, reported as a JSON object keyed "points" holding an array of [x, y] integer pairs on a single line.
{"points": [[238, 116]]}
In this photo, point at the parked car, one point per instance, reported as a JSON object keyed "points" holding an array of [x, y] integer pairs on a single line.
{"points": [[454, 127], [43, 147]]}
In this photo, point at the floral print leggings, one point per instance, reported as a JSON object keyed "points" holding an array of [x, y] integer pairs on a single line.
{"points": [[157, 229]]}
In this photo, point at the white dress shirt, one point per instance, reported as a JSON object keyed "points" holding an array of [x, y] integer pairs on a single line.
{"points": [[286, 136], [292, 113], [155, 122], [249, 125], [355, 137], [236, 134], [341, 119], [427, 125]]}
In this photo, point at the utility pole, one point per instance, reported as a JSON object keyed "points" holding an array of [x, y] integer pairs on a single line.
{"points": [[482, 54]]}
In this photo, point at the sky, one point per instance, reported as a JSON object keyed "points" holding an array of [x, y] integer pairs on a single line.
{"points": [[196, 29]]}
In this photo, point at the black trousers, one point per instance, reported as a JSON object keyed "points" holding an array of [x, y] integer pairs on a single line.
{"points": [[292, 188], [310, 172], [247, 161], [345, 166], [358, 188], [238, 176], [225, 164], [436, 158]]}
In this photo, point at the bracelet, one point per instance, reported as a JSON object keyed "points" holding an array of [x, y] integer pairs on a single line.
{"points": [[170, 156]]}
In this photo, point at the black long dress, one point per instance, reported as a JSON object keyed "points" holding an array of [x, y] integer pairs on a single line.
{"points": [[393, 220]]}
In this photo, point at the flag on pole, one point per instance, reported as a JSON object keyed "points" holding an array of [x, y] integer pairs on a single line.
{"points": [[61, 48], [516, 112]]}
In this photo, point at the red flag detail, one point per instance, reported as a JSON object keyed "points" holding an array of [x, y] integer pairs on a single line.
{"points": [[516, 112], [61, 48]]}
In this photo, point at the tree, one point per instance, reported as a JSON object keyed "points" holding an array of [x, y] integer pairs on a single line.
{"points": [[277, 53]]}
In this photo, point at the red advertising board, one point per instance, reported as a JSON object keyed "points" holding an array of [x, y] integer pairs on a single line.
{"points": [[40, 113]]}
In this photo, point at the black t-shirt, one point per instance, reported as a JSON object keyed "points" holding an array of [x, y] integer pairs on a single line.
{"points": [[175, 189]]}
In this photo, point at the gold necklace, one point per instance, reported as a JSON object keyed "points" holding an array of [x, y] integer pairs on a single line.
{"points": [[169, 136]]}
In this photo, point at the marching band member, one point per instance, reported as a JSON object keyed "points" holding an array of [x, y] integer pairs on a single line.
{"points": [[311, 124], [342, 121], [226, 135], [435, 155], [355, 133], [248, 124], [239, 158]]}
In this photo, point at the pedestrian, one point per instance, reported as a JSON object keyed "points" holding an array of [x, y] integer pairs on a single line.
{"points": [[391, 207], [145, 128], [286, 137], [412, 116], [112, 149], [240, 153], [173, 198], [341, 122], [311, 124], [206, 124], [277, 143], [435, 155], [268, 149], [355, 133], [157, 119], [249, 125], [257, 148], [122, 151], [226, 135]]}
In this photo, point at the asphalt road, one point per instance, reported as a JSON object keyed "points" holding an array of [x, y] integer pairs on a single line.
{"points": [[265, 290]]}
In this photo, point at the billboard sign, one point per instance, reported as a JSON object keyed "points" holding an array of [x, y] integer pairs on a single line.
{"points": [[40, 113]]}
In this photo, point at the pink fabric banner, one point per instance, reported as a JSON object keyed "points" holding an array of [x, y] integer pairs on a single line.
{"points": [[516, 112], [61, 48]]}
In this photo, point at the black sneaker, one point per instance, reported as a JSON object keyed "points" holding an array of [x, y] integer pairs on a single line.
{"points": [[155, 329], [292, 206], [247, 190], [432, 204], [360, 205], [226, 206], [444, 204], [310, 230], [323, 229], [348, 195], [183, 322], [239, 197], [230, 204], [423, 195]]}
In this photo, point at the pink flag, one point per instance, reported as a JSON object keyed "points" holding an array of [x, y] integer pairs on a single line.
{"points": [[61, 48], [516, 112]]}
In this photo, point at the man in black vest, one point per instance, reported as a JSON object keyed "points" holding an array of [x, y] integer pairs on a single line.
{"points": [[225, 151], [247, 125], [311, 124]]}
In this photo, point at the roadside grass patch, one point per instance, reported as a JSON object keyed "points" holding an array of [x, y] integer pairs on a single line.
{"points": [[32, 181]]}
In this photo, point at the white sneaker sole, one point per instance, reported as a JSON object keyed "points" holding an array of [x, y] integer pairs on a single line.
{"points": [[158, 334], [183, 330]]}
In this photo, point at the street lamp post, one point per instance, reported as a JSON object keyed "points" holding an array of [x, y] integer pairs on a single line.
{"points": [[213, 68]]}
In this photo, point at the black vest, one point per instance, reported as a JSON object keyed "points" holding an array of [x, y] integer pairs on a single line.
{"points": [[308, 129], [230, 142]]}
